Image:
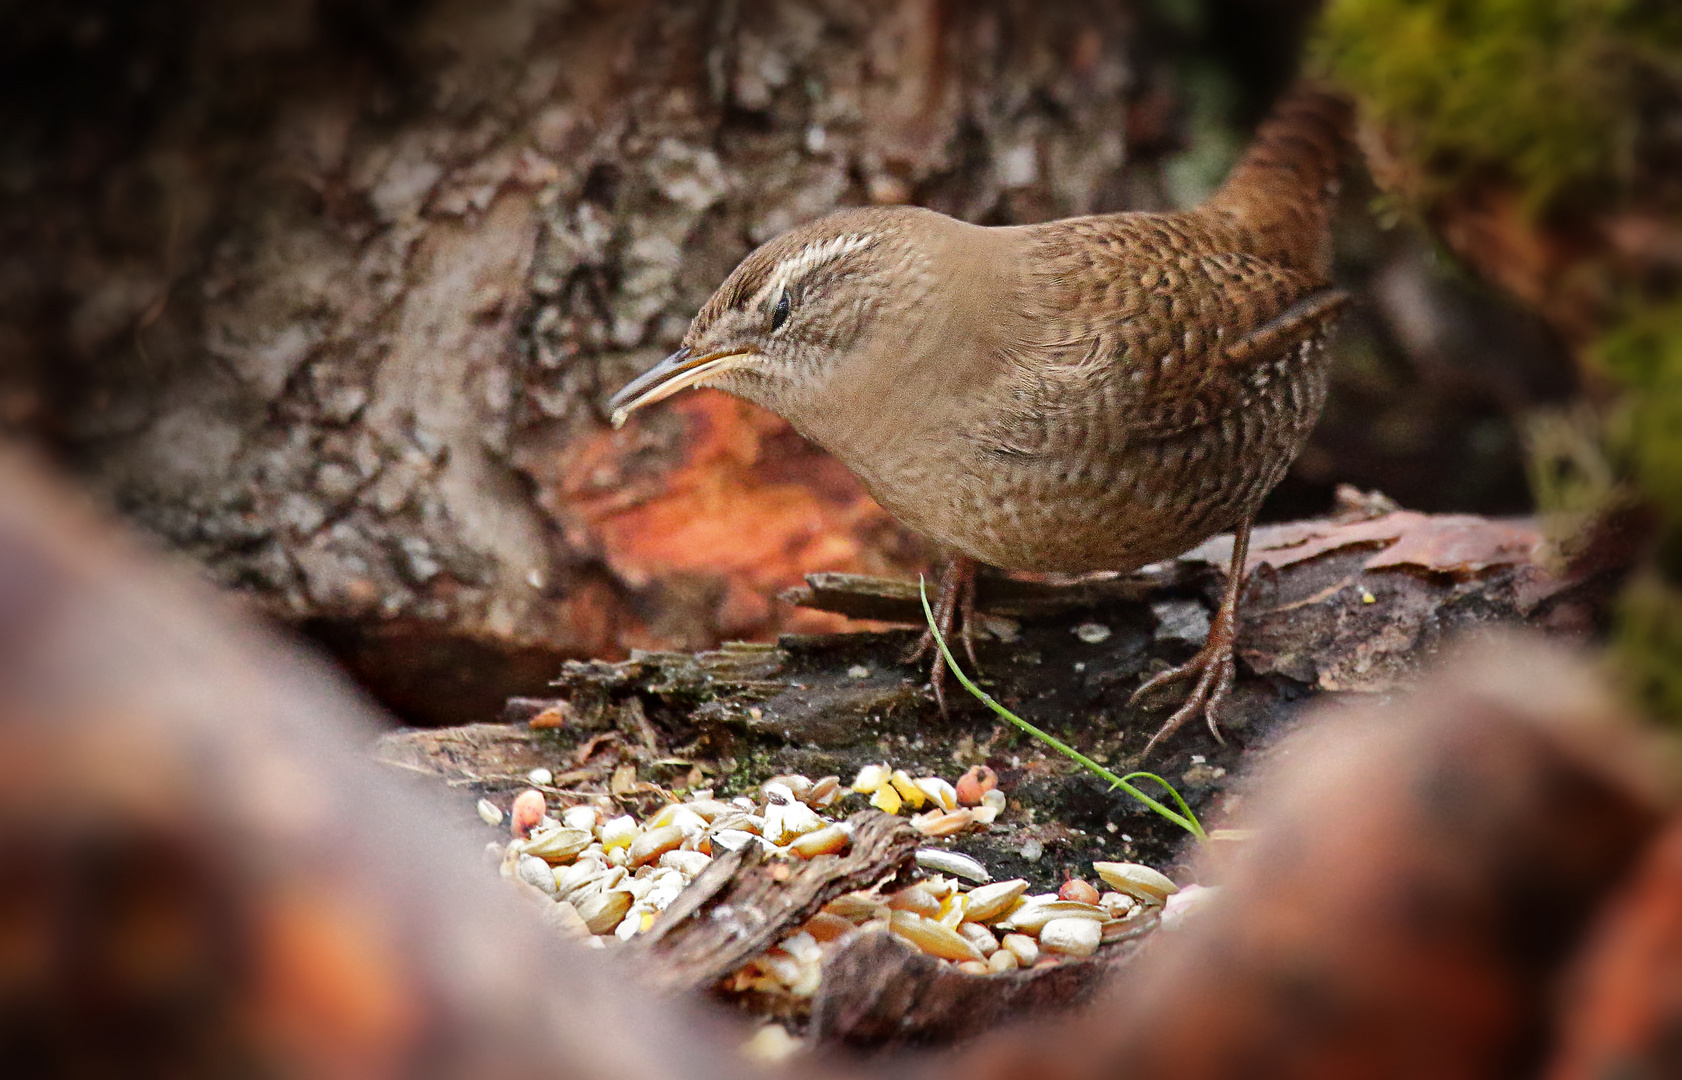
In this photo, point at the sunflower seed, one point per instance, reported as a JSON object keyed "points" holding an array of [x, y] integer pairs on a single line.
{"points": [[557, 845]]}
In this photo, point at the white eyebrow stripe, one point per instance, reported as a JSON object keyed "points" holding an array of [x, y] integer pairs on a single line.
{"points": [[807, 259]]}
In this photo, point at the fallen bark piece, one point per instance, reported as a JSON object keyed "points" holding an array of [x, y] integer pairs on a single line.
{"points": [[860, 596], [879, 991], [486, 754], [1460, 544], [748, 900], [1347, 605], [1359, 605]]}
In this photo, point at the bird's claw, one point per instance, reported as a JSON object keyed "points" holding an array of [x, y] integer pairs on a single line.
{"points": [[954, 606], [1214, 670]]}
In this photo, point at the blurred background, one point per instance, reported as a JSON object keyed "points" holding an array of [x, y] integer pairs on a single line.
{"points": [[326, 295]]}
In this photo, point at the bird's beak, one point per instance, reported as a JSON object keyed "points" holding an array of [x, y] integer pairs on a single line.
{"points": [[674, 373]]}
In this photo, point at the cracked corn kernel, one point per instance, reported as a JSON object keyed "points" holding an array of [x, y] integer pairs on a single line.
{"points": [[870, 778], [908, 789]]}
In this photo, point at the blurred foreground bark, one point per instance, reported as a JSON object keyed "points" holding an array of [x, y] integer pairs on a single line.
{"points": [[203, 874], [1420, 878]]}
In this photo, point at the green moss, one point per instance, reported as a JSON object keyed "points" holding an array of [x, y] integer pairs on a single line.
{"points": [[1648, 646], [1537, 90], [1573, 478], [1548, 95], [1644, 352], [1644, 439]]}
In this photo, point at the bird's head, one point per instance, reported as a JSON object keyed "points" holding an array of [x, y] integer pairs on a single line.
{"points": [[790, 318]]}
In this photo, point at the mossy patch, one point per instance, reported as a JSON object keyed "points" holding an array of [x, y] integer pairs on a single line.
{"points": [[1539, 91], [1644, 352], [1649, 643], [1554, 98]]}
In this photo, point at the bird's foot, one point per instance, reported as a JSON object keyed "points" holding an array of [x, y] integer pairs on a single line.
{"points": [[1213, 667], [954, 605]]}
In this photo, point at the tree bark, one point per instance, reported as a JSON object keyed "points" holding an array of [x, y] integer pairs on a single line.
{"points": [[333, 307]]}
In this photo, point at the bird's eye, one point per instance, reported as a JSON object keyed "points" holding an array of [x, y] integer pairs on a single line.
{"points": [[779, 314]]}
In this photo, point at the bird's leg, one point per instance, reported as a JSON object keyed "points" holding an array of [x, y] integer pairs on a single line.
{"points": [[954, 604], [1213, 666]]}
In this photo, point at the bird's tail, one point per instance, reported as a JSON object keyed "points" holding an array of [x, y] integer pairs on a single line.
{"points": [[1282, 189]]}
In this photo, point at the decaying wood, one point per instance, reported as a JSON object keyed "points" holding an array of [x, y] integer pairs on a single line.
{"points": [[745, 901], [491, 755], [859, 596], [1338, 622], [1347, 605], [1356, 605]]}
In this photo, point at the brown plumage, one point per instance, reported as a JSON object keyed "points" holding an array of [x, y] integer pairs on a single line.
{"points": [[1095, 393]]}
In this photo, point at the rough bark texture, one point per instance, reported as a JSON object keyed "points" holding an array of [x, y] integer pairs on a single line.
{"points": [[327, 293], [745, 902]]}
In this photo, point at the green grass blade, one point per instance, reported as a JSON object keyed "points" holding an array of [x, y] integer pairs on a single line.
{"points": [[1172, 792], [1184, 818]]}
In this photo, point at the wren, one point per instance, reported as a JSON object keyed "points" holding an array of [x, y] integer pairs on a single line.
{"points": [[1094, 393]]}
